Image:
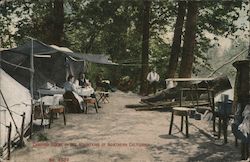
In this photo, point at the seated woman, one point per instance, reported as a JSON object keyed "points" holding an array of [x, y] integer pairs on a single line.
{"points": [[73, 100], [83, 82]]}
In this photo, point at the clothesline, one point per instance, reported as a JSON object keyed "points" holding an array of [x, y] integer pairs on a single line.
{"points": [[229, 61]]}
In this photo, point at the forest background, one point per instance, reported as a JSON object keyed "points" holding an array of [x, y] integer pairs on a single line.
{"points": [[179, 38]]}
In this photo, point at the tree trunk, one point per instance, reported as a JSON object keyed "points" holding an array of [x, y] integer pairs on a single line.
{"points": [[176, 46], [189, 40], [57, 32], [145, 46]]}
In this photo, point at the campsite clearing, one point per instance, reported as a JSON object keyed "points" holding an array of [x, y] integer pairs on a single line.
{"points": [[119, 134]]}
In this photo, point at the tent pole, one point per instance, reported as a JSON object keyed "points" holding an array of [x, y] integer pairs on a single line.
{"points": [[31, 85]]}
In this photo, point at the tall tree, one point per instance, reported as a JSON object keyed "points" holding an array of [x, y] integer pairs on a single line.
{"points": [[176, 45], [57, 13], [145, 46], [189, 40]]}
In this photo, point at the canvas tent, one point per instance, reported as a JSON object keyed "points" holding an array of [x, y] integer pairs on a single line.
{"points": [[18, 101], [54, 69]]}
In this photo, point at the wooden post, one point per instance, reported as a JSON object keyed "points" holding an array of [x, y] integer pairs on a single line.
{"points": [[209, 97], [181, 94], [187, 126], [219, 131], [9, 141], [182, 123], [214, 117], [225, 119], [171, 122], [22, 131], [51, 116], [31, 86], [64, 117], [41, 108], [197, 95], [243, 151]]}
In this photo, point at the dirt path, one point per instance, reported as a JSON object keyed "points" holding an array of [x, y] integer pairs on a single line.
{"points": [[119, 134]]}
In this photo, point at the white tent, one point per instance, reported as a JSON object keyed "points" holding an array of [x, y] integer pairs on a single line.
{"points": [[18, 99]]}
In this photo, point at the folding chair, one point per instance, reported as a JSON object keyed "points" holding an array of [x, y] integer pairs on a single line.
{"points": [[103, 97]]}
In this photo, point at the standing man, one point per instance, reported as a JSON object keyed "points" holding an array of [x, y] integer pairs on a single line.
{"points": [[153, 79]]}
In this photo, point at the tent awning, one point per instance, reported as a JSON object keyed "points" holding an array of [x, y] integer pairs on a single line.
{"points": [[41, 49]]}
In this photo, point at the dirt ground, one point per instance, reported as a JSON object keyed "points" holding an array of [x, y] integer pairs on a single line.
{"points": [[119, 134]]}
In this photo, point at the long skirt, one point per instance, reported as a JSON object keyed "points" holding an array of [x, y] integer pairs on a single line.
{"points": [[73, 102]]}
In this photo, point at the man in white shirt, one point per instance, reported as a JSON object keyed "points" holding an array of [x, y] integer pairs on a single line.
{"points": [[153, 79]]}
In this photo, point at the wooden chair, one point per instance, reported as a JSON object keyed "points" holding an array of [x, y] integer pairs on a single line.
{"points": [[90, 100], [40, 112], [56, 109]]}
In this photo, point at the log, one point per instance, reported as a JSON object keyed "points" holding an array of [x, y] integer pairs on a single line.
{"points": [[152, 108], [165, 105], [136, 105]]}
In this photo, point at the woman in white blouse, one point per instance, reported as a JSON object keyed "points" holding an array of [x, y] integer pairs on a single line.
{"points": [[73, 100]]}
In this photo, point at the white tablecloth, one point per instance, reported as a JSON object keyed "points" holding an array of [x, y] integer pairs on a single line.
{"points": [[51, 100], [58, 95], [85, 91]]}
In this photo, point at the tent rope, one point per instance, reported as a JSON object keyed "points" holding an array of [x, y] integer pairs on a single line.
{"points": [[9, 63], [10, 114], [4, 124], [229, 61], [12, 110]]}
